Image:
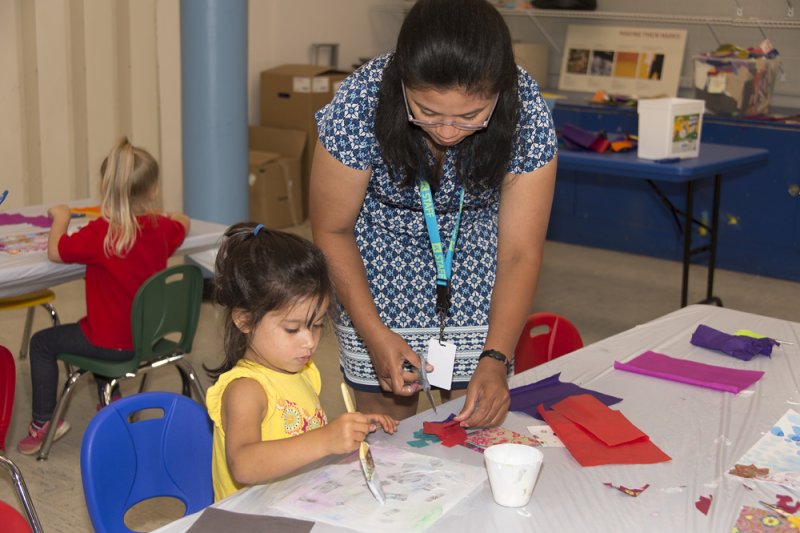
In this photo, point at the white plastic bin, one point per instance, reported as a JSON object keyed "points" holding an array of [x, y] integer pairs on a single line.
{"points": [[669, 128]]}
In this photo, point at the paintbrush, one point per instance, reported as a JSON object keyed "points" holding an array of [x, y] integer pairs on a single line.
{"points": [[365, 455]]}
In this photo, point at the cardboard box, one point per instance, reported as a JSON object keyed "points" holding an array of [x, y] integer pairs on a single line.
{"points": [[290, 95], [669, 128], [276, 186], [734, 86]]}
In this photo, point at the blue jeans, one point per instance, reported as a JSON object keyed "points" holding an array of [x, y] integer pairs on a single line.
{"points": [[45, 346]]}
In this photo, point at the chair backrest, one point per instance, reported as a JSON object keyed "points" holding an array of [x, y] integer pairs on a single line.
{"points": [[559, 337], [8, 380], [12, 520], [126, 460], [167, 304]]}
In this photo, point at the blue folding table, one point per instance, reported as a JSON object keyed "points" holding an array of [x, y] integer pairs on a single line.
{"points": [[714, 160]]}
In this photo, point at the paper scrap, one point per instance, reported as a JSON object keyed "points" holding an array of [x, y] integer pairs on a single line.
{"points": [[704, 503], [626, 490]]}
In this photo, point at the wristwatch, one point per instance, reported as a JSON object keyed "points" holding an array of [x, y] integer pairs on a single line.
{"points": [[494, 354]]}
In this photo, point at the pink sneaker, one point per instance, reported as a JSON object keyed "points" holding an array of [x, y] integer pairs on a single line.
{"points": [[33, 442]]}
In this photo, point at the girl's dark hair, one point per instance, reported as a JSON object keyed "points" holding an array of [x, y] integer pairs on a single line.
{"points": [[449, 44], [259, 270]]}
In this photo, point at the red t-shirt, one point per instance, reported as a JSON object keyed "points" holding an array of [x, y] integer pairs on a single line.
{"points": [[112, 282]]}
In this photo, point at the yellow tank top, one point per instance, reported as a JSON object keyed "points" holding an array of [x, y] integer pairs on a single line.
{"points": [[292, 409]]}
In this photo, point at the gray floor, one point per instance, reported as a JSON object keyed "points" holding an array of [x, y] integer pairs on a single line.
{"points": [[602, 292]]}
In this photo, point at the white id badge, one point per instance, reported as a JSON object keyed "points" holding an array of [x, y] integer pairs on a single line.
{"points": [[442, 356]]}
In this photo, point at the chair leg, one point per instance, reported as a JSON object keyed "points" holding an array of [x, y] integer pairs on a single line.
{"points": [[24, 495], [53, 315], [61, 406], [188, 371], [26, 333], [185, 387], [144, 381]]}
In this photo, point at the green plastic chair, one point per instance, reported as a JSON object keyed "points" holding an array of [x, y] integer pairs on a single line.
{"points": [[164, 319]]}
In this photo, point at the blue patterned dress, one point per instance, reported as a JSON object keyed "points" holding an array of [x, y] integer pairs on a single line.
{"points": [[392, 237]]}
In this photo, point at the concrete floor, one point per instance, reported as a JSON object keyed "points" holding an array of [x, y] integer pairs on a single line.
{"points": [[602, 292]]}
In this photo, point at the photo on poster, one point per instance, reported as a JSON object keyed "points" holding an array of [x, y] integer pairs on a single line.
{"points": [[638, 62]]}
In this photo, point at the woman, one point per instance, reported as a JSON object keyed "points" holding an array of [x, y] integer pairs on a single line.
{"points": [[448, 121]]}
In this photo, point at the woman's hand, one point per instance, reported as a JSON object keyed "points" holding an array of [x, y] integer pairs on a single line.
{"points": [[487, 396], [389, 351]]}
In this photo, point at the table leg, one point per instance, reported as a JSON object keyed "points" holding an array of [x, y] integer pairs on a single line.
{"points": [[712, 250], [687, 242]]}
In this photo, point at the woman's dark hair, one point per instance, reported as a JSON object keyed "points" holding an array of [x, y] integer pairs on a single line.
{"points": [[258, 270], [449, 44]]}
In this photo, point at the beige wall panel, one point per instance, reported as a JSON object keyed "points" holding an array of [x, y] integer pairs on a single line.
{"points": [[102, 93], [169, 94], [11, 81], [78, 100], [56, 145], [144, 76], [27, 56]]}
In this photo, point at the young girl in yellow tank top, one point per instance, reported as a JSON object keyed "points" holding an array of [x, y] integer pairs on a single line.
{"points": [[268, 421]]}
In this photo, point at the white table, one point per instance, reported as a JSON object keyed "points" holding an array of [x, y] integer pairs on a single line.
{"points": [[27, 272], [704, 431]]}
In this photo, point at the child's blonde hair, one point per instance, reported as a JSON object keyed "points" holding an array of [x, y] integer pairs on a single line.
{"points": [[129, 176]]}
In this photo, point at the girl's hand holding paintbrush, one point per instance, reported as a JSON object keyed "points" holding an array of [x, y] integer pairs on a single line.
{"points": [[350, 429]]}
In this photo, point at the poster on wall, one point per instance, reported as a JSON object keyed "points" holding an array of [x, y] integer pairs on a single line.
{"points": [[637, 62]]}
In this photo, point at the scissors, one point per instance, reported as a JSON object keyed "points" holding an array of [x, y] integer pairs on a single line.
{"points": [[793, 520], [423, 380]]}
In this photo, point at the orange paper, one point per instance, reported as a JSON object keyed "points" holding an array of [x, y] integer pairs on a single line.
{"points": [[587, 426]]}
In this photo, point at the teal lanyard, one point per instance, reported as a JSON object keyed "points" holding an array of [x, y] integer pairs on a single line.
{"points": [[444, 263]]}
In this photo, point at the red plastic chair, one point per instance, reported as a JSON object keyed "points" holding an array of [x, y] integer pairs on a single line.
{"points": [[545, 337], [8, 380], [12, 520]]}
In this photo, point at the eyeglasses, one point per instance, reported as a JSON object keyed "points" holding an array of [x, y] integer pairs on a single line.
{"points": [[466, 126]]}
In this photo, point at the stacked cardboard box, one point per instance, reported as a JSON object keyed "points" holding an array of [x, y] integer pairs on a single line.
{"points": [[290, 95], [276, 187]]}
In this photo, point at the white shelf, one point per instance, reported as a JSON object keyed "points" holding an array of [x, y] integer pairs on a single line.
{"points": [[750, 22]]}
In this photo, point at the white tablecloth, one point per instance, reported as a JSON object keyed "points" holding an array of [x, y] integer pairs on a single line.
{"points": [[27, 272], [704, 431]]}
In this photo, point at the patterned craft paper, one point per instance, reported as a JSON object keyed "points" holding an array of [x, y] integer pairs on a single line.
{"points": [[756, 520], [775, 458], [24, 243], [419, 491], [480, 440], [546, 436]]}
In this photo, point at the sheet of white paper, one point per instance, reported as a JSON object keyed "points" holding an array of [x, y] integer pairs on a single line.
{"points": [[442, 356], [419, 490], [778, 451]]}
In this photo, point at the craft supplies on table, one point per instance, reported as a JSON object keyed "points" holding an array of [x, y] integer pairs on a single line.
{"points": [[669, 128]]}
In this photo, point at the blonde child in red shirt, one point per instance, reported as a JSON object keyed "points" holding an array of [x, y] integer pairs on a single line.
{"points": [[121, 249]]}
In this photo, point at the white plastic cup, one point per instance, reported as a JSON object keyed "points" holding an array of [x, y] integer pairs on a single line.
{"points": [[513, 469]]}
